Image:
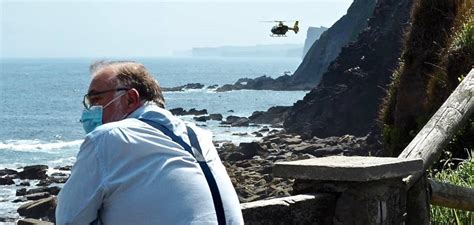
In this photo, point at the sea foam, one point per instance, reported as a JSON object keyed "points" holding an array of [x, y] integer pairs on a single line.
{"points": [[37, 145]]}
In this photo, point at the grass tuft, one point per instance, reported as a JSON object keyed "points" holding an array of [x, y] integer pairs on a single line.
{"points": [[463, 176], [464, 37]]}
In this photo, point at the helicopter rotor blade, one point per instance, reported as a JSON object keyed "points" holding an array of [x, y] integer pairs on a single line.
{"points": [[275, 21]]}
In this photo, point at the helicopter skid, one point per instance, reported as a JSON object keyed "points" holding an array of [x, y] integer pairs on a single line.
{"points": [[277, 35]]}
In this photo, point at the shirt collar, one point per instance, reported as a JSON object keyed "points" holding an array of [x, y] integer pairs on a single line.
{"points": [[147, 106], [152, 111]]}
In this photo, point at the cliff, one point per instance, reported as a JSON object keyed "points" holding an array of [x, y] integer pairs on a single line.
{"points": [[312, 35], [347, 99], [330, 43], [322, 52]]}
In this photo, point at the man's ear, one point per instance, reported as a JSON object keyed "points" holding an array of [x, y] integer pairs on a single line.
{"points": [[133, 99]]}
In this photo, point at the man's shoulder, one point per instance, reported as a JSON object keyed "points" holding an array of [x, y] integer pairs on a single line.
{"points": [[110, 129]]}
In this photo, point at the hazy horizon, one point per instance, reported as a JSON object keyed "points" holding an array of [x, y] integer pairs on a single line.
{"points": [[85, 29]]}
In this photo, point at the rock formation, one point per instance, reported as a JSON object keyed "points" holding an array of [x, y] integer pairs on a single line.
{"points": [[323, 51], [347, 99], [183, 87], [312, 35], [329, 45]]}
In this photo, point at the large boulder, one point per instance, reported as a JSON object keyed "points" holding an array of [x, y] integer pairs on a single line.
{"points": [[249, 150], [6, 180], [8, 172], [37, 196], [196, 112], [183, 87], [274, 115], [243, 122], [39, 209], [37, 172], [215, 116], [178, 111], [243, 151], [237, 121], [21, 192], [235, 156], [183, 112], [54, 190], [30, 221], [202, 118], [231, 119]]}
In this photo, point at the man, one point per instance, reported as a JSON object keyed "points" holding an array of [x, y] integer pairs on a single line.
{"points": [[129, 170]]}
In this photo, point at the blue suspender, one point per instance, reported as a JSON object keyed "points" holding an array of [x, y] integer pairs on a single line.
{"points": [[211, 181]]}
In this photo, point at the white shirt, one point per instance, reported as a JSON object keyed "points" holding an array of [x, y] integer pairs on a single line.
{"points": [[128, 172]]}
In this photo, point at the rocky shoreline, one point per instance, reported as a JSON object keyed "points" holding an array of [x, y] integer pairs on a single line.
{"points": [[249, 165], [274, 116], [264, 82]]}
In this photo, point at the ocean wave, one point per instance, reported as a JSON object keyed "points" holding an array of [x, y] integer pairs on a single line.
{"points": [[186, 91], [37, 145]]}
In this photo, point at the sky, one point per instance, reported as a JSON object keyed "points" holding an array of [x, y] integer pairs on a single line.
{"points": [[153, 28]]}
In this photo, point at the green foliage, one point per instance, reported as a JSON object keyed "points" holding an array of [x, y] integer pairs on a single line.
{"points": [[388, 104], [464, 37], [439, 61], [439, 51], [463, 175]]}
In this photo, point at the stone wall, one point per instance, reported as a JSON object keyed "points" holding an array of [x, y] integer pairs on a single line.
{"points": [[298, 209]]}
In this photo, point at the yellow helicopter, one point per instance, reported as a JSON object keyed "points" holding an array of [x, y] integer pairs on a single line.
{"points": [[280, 29]]}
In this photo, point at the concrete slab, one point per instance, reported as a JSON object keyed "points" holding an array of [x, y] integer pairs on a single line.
{"points": [[299, 209], [348, 168]]}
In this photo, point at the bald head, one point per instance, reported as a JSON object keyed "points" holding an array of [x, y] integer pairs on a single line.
{"points": [[103, 78], [130, 75]]}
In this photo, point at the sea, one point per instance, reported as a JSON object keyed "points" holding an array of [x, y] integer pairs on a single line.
{"points": [[41, 103]]}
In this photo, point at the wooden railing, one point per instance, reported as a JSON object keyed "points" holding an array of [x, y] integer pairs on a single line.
{"points": [[371, 190], [428, 145], [452, 196]]}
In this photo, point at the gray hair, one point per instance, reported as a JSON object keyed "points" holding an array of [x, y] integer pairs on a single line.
{"points": [[133, 75]]}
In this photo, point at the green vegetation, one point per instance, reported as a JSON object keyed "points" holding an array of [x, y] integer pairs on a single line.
{"points": [[438, 54], [439, 51], [464, 38], [457, 61], [463, 175], [388, 133]]}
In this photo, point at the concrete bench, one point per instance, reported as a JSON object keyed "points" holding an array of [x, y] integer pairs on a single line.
{"points": [[367, 190]]}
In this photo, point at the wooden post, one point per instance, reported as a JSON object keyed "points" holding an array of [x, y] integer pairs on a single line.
{"points": [[430, 141], [418, 204]]}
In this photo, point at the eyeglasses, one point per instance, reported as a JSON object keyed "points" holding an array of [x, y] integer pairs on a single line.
{"points": [[86, 101]]}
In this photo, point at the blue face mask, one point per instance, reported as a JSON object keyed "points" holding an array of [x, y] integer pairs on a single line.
{"points": [[92, 117]]}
